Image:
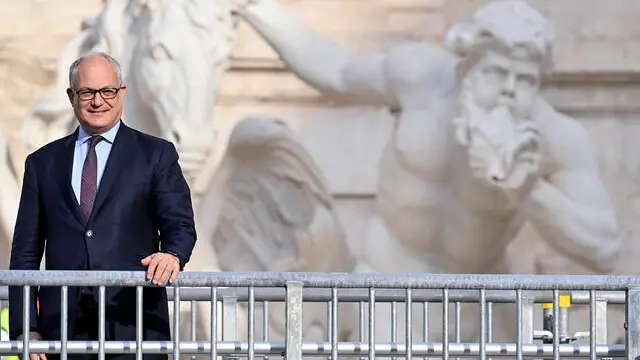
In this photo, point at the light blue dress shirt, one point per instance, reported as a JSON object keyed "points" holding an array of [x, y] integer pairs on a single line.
{"points": [[103, 149]]}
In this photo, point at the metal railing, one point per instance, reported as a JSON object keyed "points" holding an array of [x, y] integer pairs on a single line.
{"points": [[363, 294]]}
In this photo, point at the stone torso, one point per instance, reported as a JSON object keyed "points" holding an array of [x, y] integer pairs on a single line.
{"points": [[428, 199]]}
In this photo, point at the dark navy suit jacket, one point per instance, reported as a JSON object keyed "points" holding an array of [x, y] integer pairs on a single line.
{"points": [[143, 206]]}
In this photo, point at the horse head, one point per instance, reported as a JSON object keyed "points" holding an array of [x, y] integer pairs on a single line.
{"points": [[175, 69]]}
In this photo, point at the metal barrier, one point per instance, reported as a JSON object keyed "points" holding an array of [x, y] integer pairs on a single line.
{"points": [[555, 294]]}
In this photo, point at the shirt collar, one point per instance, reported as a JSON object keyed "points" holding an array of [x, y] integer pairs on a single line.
{"points": [[109, 136]]}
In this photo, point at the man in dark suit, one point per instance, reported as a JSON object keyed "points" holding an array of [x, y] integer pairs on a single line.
{"points": [[106, 197]]}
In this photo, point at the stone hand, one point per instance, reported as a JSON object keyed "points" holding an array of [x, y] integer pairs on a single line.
{"points": [[524, 150], [507, 159], [162, 267], [521, 180], [511, 164]]}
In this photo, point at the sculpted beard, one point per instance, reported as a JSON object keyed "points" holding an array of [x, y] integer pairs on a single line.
{"points": [[503, 148]]}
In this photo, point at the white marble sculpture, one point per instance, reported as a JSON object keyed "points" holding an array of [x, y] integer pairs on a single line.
{"points": [[475, 152], [10, 198], [173, 53], [268, 208]]}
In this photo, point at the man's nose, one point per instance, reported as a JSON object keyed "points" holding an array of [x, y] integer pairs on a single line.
{"points": [[97, 100]]}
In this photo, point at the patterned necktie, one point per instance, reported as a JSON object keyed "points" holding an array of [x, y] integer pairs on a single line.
{"points": [[89, 186]]}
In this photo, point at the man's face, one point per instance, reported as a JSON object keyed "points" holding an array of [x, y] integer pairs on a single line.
{"points": [[97, 96], [507, 81]]}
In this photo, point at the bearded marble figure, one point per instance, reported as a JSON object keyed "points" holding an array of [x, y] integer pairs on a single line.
{"points": [[475, 152]]}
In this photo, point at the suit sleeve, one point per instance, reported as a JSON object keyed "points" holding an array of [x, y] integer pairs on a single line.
{"points": [[174, 211], [27, 247]]}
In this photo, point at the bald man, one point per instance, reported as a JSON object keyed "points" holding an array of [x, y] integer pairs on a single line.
{"points": [[106, 197]]}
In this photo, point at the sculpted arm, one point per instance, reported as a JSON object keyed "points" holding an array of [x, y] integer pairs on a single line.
{"points": [[320, 62], [571, 208], [28, 246]]}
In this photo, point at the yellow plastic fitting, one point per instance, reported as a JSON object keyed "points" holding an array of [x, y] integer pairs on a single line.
{"points": [[564, 302]]}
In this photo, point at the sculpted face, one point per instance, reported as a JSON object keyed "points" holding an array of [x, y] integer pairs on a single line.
{"points": [[499, 80], [97, 95], [504, 48], [495, 122]]}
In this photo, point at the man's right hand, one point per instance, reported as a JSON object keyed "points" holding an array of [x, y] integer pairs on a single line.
{"points": [[35, 336]]}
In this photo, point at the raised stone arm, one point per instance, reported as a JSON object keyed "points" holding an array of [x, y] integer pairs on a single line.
{"points": [[320, 62]]}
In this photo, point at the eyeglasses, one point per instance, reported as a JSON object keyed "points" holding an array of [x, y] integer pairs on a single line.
{"points": [[106, 93]]}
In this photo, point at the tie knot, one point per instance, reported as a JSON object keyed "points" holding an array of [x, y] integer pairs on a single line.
{"points": [[94, 140]]}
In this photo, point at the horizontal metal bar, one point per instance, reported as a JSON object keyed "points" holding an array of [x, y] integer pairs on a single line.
{"points": [[389, 295], [382, 295], [611, 297], [313, 348], [325, 280]]}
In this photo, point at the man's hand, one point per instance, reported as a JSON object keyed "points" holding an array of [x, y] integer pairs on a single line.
{"points": [[35, 337], [162, 267]]}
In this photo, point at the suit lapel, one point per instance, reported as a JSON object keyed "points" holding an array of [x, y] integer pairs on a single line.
{"points": [[65, 163], [118, 158]]}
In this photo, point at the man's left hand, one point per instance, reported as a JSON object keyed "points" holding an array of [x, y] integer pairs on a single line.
{"points": [[162, 267]]}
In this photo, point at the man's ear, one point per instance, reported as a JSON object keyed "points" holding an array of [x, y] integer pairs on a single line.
{"points": [[123, 89], [70, 94]]}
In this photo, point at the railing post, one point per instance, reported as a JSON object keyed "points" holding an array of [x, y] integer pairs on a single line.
{"points": [[527, 317], [633, 323], [229, 320], [602, 322], [294, 320]]}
